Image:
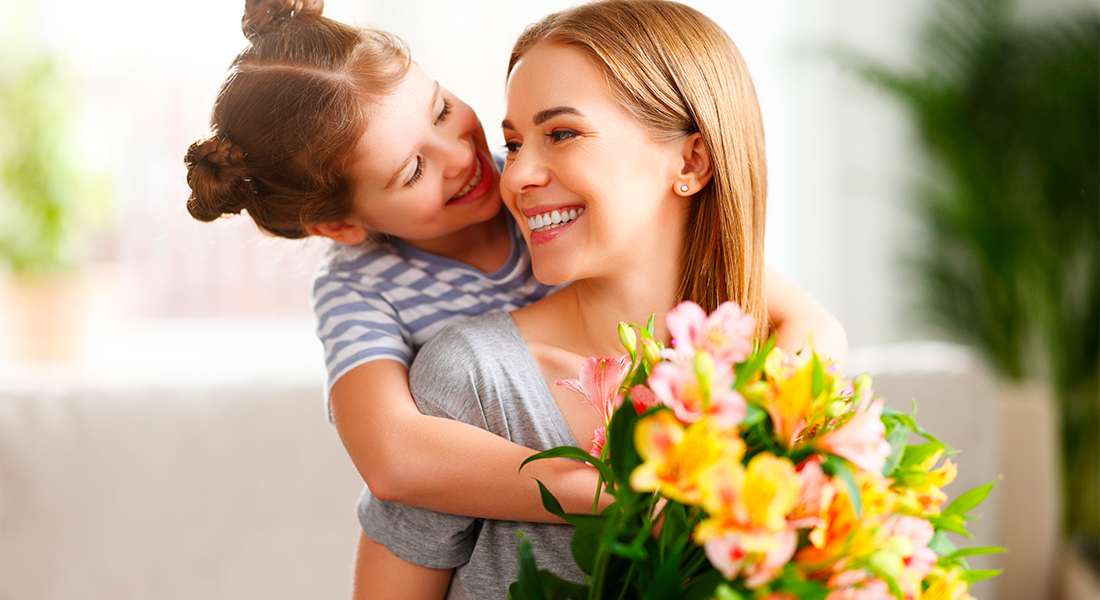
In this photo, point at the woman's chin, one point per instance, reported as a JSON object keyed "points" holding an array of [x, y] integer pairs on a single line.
{"points": [[550, 275]]}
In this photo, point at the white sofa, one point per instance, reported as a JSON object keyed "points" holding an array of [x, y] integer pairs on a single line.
{"points": [[172, 471], [199, 480]]}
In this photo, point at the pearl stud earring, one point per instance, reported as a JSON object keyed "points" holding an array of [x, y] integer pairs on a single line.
{"points": [[684, 188]]}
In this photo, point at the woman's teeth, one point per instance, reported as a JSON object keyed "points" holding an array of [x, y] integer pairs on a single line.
{"points": [[474, 181], [552, 219]]}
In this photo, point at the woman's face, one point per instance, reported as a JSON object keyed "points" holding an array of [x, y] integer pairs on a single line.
{"points": [[575, 153], [422, 168]]}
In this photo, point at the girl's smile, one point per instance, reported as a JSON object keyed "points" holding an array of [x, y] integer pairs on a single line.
{"points": [[422, 170]]}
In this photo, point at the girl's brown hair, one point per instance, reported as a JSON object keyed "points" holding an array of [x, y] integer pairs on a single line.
{"points": [[679, 73], [288, 117]]}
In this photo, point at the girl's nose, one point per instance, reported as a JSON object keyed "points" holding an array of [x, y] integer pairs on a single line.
{"points": [[457, 155]]}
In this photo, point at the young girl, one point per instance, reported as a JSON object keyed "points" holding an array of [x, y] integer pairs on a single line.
{"points": [[324, 129]]}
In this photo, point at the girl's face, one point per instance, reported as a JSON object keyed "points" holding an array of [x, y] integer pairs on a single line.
{"points": [[422, 169], [587, 183]]}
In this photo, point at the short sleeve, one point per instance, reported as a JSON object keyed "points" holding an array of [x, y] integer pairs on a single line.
{"points": [[421, 536], [355, 323]]}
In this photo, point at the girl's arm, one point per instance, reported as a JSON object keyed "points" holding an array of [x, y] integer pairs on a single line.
{"points": [[380, 574], [440, 464], [796, 316]]}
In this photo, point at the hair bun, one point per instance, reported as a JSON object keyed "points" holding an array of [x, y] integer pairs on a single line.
{"points": [[264, 16], [216, 175], [218, 149]]}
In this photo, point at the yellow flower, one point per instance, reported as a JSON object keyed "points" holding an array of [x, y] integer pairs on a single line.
{"points": [[922, 495], [771, 491], [788, 400], [757, 499], [674, 456], [946, 584]]}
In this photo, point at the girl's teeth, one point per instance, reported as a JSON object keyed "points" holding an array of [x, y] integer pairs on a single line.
{"points": [[552, 219], [473, 182]]}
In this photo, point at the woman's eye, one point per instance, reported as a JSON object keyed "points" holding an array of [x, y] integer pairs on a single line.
{"points": [[443, 113], [417, 173], [561, 135], [511, 147]]}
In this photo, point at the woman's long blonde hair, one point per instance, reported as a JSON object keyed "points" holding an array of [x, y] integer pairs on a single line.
{"points": [[679, 73]]}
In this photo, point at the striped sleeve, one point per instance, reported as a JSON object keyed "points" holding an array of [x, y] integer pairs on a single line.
{"points": [[356, 323]]}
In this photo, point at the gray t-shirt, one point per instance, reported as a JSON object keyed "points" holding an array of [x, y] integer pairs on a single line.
{"points": [[478, 371]]}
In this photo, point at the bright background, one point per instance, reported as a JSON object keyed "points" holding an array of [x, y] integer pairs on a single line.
{"points": [[162, 302], [144, 76]]}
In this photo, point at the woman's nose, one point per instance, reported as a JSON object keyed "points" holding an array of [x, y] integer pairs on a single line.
{"points": [[524, 172]]}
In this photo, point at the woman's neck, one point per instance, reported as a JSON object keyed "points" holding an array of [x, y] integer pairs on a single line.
{"points": [[583, 318]]}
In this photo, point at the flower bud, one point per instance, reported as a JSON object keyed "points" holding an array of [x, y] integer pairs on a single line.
{"points": [[628, 339], [651, 352], [704, 367]]}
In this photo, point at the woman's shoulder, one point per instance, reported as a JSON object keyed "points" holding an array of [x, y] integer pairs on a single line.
{"points": [[480, 336]]}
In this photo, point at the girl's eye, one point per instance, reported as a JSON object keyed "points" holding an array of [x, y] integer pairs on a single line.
{"points": [[444, 113], [511, 147], [561, 135], [417, 173]]}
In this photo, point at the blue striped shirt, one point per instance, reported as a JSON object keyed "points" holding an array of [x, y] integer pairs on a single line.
{"points": [[384, 298]]}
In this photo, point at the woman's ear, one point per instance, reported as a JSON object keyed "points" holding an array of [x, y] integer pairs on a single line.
{"points": [[341, 231], [695, 171]]}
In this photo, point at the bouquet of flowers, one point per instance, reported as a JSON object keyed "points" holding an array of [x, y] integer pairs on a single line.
{"points": [[740, 471]]}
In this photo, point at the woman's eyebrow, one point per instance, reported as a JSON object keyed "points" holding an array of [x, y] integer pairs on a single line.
{"points": [[545, 115]]}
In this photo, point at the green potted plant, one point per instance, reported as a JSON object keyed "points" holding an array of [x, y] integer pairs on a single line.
{"points": [[1009, 116], [42, 209]]}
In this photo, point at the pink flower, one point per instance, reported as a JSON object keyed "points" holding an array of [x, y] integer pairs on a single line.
{"points": [[905, 542], [599, 383], [862, 439], [678, 386], [758, 556], [599, 438], [642, 398], [726, 333], [871, 589]]}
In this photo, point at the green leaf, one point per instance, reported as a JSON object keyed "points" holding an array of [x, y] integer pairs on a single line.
{"points": [[549, 502], [620, 440], [955, 523], [891, 583], [974, 552], [839, 467], [528, 586], [725, 592], [586, 543], [576, 454], [968, 501], [979, 574], [753, 416], [674, 525], [910, 421], [707, 585], [817, 380], [941, 545], [897, 435], [801, 587], [746, 371], [918, 453]]}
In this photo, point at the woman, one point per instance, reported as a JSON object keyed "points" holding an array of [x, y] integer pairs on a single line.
{"points": [[633, 126]]}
